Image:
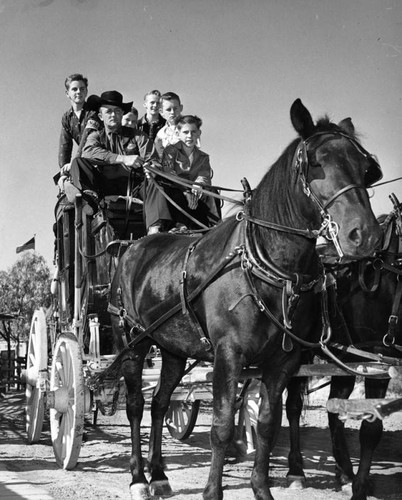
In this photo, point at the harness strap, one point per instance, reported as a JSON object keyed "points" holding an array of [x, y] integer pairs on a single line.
{"points": [[368, 355], [389, 337], [352, 371], [186, 305], [146, 332], [362, 282], [264, 309], [307, 233]]}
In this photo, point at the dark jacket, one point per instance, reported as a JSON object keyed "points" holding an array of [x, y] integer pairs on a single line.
{"points": [[104, 149], [72, 129], [151, 129]]}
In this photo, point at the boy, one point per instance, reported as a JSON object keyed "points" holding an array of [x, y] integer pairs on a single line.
{"points": [[75, 119], [152, 121], [130, 119], [187, 161], [170, 109]]}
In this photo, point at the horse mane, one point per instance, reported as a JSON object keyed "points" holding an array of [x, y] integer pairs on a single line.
{"points": [[281, 179]]}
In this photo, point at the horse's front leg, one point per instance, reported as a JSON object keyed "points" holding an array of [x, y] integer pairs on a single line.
{"points": [[227, 368], [369, 437], [341, 387], [132, 367], [294, 405], [171, 374], [270, 405]]}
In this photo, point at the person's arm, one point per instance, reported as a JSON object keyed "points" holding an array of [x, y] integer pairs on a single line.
{"points": [[91, 125], [203, 172], [65, 145], [94, 150]]}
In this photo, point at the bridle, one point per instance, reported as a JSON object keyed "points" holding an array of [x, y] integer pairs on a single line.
{"points": [[329, 228]]}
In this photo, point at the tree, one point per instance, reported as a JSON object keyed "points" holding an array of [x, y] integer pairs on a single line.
{"points": [[24, 288]]}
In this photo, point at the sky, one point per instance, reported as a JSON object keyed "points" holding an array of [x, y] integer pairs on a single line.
{"points": [[239, 65]]}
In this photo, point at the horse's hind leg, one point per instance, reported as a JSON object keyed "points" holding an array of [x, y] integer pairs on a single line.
{"points": [[132, 367], [294, 406], [341, 387], [171, 374], [369, 436]]}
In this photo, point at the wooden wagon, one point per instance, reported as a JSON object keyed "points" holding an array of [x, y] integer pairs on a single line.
{"points": [[67, 349]]}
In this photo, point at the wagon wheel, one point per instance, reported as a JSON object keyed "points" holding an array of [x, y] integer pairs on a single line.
{"points": [[181, 418], [67, 405], [248, 416], [36, 361]]}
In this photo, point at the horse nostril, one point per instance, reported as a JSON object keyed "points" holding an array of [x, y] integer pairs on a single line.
{"points": [[356, 236]]}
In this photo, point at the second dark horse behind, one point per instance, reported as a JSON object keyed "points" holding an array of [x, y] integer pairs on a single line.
{"points": [[243, 294]]}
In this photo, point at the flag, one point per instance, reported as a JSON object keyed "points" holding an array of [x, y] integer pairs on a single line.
{"points": [[29, 245]]}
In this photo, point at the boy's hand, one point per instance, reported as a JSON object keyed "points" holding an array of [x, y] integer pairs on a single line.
{"points": [[65, 169], [196, 191], [134, 161], [192, 200]]}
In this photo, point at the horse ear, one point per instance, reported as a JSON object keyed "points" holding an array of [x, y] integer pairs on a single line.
{"points": [[347, 126], [301, 119]]}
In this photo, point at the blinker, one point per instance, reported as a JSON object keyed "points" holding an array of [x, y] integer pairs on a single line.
{"points": [[373, 173]]}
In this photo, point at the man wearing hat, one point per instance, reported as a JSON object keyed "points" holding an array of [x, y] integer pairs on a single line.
{"points": [[109, 154]]}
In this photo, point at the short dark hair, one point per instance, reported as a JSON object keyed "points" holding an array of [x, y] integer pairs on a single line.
{"points": [[133, 110], [152, 92], [188, 120], [75, 77], [170, 96]]}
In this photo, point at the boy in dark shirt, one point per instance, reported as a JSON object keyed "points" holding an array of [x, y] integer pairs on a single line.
{"points": [[75, 119], [152, 121]]}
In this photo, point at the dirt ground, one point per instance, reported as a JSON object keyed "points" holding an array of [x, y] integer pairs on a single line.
{"points": [[102, 471]]}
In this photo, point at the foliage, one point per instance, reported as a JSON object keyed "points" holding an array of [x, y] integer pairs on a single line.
{"points": [[24, 288]]}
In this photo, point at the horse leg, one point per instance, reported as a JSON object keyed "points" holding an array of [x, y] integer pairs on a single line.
{"points": [[341, 387], [369, 437], [226, 372], [271, 403], [171, 374], [294, 405], [132, 367]]}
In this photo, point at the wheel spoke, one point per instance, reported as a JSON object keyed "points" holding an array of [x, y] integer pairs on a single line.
{"points": [[67, 374]]}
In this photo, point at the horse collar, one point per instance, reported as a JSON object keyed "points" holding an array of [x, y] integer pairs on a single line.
{"points": [[266, 270]]}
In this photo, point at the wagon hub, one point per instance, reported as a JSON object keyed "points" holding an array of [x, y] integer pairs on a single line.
{"points": [[59, 399]]}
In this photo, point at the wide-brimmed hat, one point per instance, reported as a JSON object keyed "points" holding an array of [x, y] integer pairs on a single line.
{"points": [[111, 97]]}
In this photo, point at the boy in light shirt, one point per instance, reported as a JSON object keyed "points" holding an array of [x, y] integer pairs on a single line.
{"points": [[170, 109]]}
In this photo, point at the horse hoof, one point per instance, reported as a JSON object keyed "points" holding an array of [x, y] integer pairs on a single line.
{"points": [[161, 489], [140, 491], [347, 489], [296, 482]]}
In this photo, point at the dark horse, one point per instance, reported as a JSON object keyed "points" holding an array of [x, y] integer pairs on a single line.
{"points": [[224, 297], [368, 306]]}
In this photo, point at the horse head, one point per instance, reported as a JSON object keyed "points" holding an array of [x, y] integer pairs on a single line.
{"points": [[335, 171]]}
